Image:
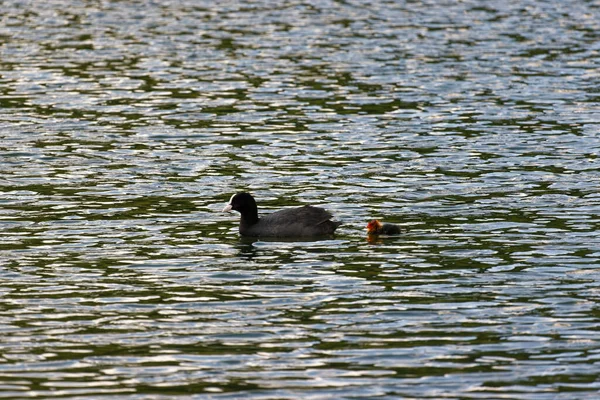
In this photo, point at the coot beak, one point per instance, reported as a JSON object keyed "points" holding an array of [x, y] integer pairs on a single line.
{"points": [[229, 206]]}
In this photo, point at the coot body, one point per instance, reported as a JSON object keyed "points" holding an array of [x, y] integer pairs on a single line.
{"points": [[306, 221]]}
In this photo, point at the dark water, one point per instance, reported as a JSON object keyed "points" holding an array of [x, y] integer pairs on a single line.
{"points": [[126, 125]]}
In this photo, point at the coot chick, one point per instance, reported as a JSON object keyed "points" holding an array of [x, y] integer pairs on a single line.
{"points": [[303, 221], [375, 227]]}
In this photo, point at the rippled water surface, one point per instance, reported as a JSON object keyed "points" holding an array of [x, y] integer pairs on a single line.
{"points": [[125, 126]]}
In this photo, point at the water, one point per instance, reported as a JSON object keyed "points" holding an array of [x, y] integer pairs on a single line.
{"points": [[126, 126]]}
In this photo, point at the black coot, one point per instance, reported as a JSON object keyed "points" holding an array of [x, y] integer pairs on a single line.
{"points": [[292, 222]]}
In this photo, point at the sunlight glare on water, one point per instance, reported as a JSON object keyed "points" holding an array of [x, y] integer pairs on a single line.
{"points": [[126, 126]]}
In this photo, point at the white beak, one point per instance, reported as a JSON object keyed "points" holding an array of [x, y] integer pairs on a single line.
{"points": [[228, 207]]}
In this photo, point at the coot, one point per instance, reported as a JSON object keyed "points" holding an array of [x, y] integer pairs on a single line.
{"points": [[375, 227], [303, 221]]}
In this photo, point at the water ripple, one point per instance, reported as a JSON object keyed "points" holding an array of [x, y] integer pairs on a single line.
{"points": [[125, 128]]}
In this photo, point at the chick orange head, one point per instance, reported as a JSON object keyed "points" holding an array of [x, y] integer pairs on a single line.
{"points": [[373, 226]]}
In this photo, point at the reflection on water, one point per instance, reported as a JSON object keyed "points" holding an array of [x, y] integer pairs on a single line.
{"points": [[125, 127]]}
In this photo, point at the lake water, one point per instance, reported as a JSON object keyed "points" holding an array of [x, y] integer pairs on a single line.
{"points": [[126, 126]]}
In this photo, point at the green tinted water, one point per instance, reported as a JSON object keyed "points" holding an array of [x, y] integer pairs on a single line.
{"points": [[126, 127]]}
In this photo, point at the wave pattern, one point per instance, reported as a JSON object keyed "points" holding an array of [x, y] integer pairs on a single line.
{"points": [[126, 126]]}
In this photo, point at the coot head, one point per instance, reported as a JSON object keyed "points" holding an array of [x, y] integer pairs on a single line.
{"points": [[244, 204], [373, 226]]}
